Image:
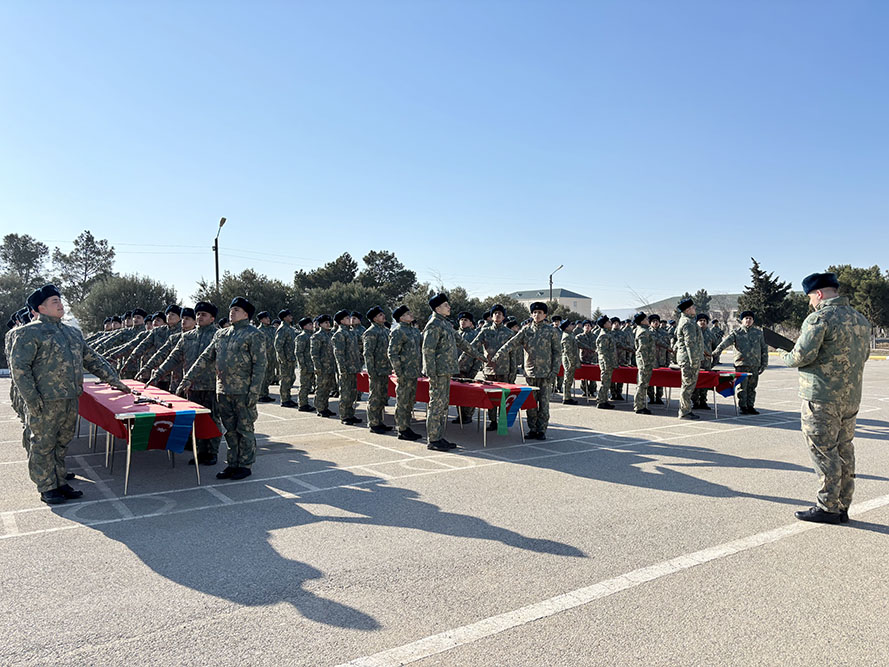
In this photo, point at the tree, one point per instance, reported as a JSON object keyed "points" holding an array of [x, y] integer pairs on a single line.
{"points": [[514, 307], [797, 311], [555, 308], [113, 295], [263, 292], [867, 290], [766, 296], [386, 273], [79, 270], [596, 314], [341, 270], [351, 296], [702, 301], [24, 256]]}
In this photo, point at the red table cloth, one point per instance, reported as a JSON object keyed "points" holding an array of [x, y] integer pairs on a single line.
{"points": [[660, 377], [463, 394]]}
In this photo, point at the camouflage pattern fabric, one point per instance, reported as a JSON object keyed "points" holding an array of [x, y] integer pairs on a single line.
{"points": [[440, 344], [51, 429], [347, 353], [238, 414], [405, 351], [543, 354], [186, 351], [324, 363], [376, 357], [750, 346], [405, 397], [570, 360], [207, 446], [829, 429], [538, 418], [437, 412], [285, 353], [689, 353], [645, 359], [271, 372], [490, 339], [607, 353], [238, 354]]}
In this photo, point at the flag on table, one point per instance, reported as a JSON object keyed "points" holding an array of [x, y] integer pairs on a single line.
{"points": [[162, 430], [728, 382], [511, 401]]}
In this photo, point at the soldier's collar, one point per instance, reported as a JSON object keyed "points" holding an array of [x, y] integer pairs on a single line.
{"points": [[48, 318]]}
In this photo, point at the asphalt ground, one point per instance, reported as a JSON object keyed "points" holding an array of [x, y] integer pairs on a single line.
{"points": [[622, 539]]}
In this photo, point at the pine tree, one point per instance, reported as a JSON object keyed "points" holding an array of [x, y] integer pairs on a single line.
{"points": [[767, 297], [702, 301]]}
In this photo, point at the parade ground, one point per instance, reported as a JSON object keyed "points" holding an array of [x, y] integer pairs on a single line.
{"points": [[620, 540]]}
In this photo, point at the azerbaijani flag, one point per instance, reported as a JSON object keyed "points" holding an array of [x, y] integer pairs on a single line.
{"points": [[511, 401], [162, 430], [728, 382]]}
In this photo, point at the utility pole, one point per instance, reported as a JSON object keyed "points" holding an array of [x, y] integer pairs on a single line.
{"points": [[550, 282], [216, 252]]}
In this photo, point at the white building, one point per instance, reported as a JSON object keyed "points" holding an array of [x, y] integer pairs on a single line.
{"points": [[571, 300]]}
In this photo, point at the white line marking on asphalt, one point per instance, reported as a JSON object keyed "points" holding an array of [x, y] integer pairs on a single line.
{"points": [[305, 485], [467, 634], [268, 414], [104, 489], [213, 491], [374, 444], [9, 524]]}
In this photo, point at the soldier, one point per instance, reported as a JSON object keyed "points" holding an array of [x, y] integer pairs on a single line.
{"points": [[187, 349], [586, 342], [699, 397], [645, 360], [238, 354], [405, 351], [135, 326], [751, 357], [661, 355], [285, 353], [624, 348], [188, 323], [19, 319], [324, 362], [347, 353], [264, 318], [570, 360], [833, 345], [606, 349], [47, 361], [557, 325], [376, 358], [689, 348], [468, 367], [490, 339], [719, 334], [154, 341], [304, 359], [440, 343]]}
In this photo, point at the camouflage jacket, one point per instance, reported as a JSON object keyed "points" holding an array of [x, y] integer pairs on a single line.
{"points": [[586, 341], [47, 359], [120, 337], [468, 366], [160, 356], [440, 343], [376, 350], [689, 343], [570, 351], [268, 330], [155, 341], [188, 348], [238, 352], [718, 332], [321, 349], [606, 349], [645, 347], [406, 350], [750, 345], [833, 345], [543, 354], [346, 351], [488, 341], [303, 347], [661, 347], [285, 343]]}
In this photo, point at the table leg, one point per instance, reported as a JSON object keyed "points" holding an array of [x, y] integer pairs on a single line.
{"points": [[715, 405], [79, 419], [521, 427], [735, 397], [126, 479], [93, 432], [108, 443], [669, 397], [194, 450]]}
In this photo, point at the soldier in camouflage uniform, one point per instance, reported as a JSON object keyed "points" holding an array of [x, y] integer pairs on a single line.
{"points": [[376, 358], [586, 342], [557, 325], [440, 343], [623, 347], [570, 360], [271, 373], [690, 352], [347, 353], [542, 360], [285, 353], [751, 356], [47, 361], [645, 360], [187, 349], [606, 350], [699, 397], [154, 341], [830, 353], [661, 355], [719, 334], [303, 350], [238, 354], [126, 334], [324, 363], [172, 380], [19, 319], [405, 351], [468, 366], [491, 338]]}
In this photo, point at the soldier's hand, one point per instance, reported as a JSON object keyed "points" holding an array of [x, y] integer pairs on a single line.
{"points": [[120, 386], [153, 379], [141, 375], [252, 399], [182, 389]]}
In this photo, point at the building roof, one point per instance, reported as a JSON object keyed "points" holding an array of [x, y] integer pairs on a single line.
{"points": [[544, 294]]}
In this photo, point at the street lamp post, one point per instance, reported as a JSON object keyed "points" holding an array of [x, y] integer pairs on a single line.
{"points": [[550, 282], [216, 252]]}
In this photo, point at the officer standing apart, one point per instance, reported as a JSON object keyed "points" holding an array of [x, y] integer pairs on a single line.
{"points": [[285, 353], [440, 343], [47, 361], [542, 358], [689, 348], [239, 355], [405, 352], [751, 357], [645, 358], [830, 353], [376, 358]]}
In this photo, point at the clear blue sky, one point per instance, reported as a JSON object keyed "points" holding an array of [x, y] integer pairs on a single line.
{"points": [[643, 144]]}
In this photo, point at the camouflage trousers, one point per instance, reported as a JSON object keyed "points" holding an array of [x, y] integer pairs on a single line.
{"points": [[538, 418], [377, 399], [324, 383], [588, 388], [437, 412], [288, 375], [642, 387], [348, 395], [569, 383], [700, 395], [51, 430], [747, 387], [266, 380], [829, 429], [238, 415], [558, 384], [492, 414], [306, 380], [208, 400], [605, 385], [405, 397], [689, 380]]}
